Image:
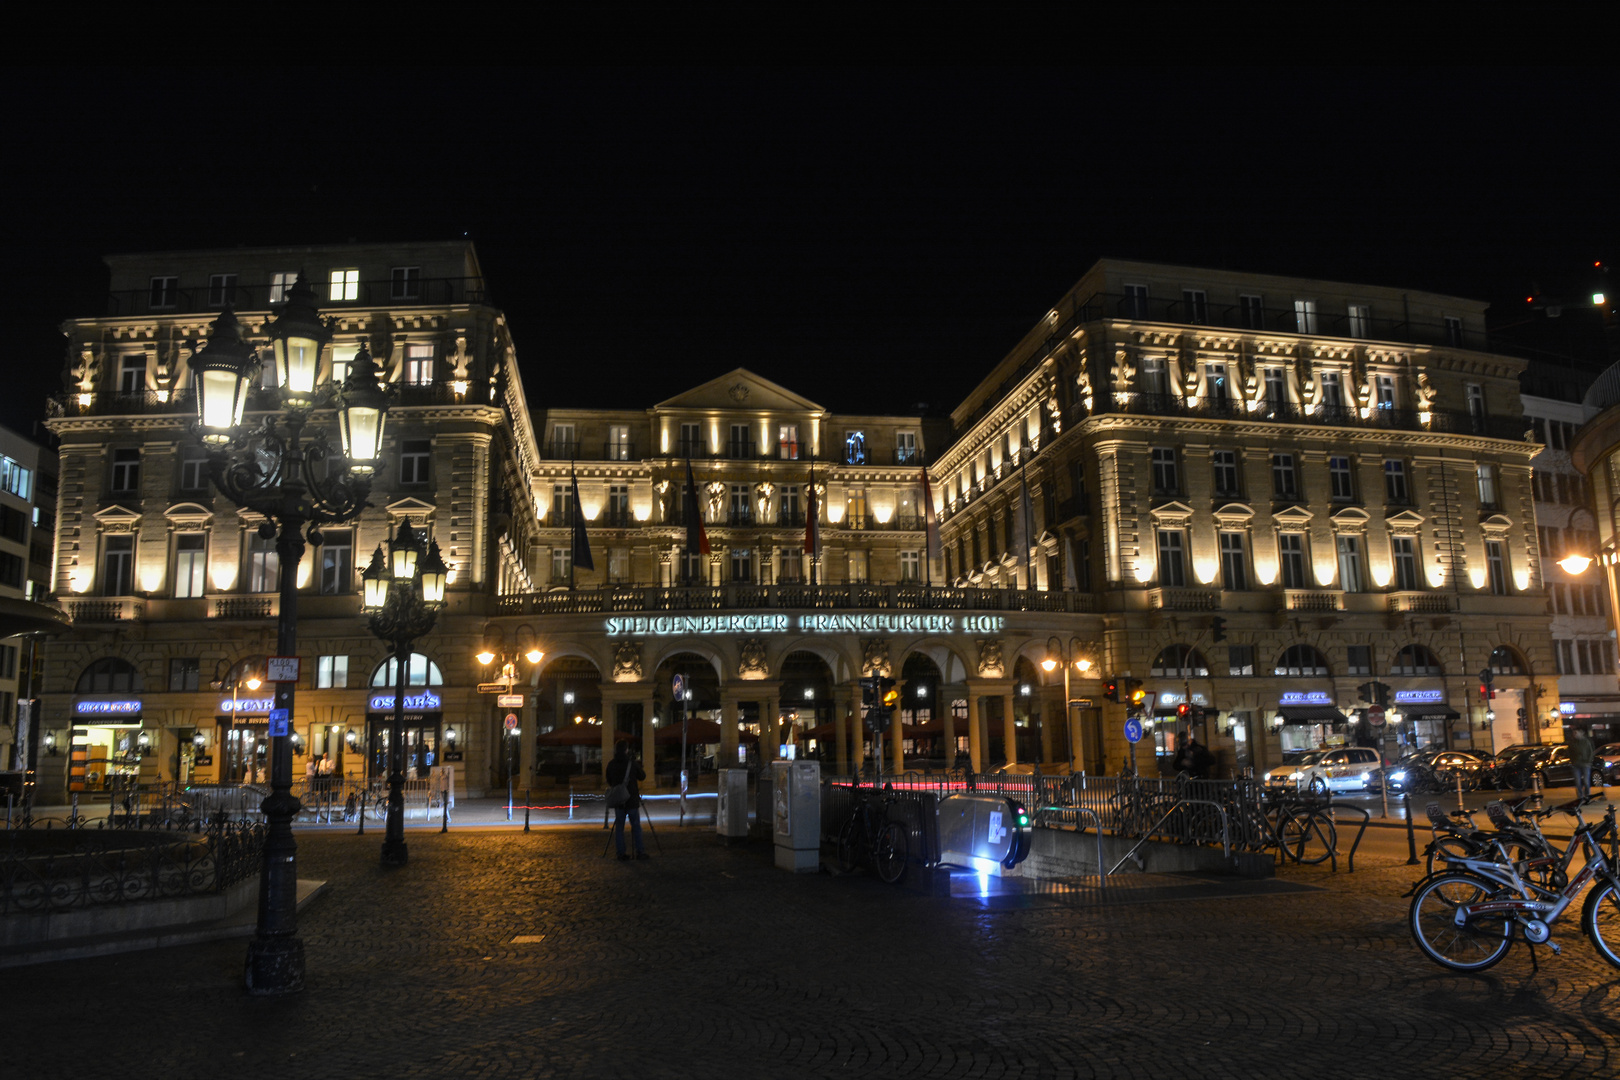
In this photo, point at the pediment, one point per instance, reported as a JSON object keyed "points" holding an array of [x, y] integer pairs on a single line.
{"points": [[412, 509], [1294, 515], [1409, 519], [117, 515], [1351, 515], [189, 514], [1497, 525], [1172, 509], [1235, 512], [740, 390]]}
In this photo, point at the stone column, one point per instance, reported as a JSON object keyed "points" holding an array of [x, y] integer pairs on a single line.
{"points": [[771, 725], [975, 731], [1009, 727], [610, 720], [897, 736], [947, 719], [728, 731], [1051, 711]]}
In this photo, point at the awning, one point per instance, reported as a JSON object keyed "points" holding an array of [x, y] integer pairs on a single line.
{"points": [[1428, 712], [1311, 714]]}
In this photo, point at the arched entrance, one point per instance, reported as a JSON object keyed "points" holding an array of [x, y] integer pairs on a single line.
{"points": [[698, 715], [422, 731], [921, 723], [807, 706], [1032, 743], [568, 719]]}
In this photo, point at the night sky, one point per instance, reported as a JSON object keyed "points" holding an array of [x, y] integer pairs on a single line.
{"points": [[873, 239]]}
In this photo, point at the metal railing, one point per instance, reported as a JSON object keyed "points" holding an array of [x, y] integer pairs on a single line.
{"points": [[874, 597], [257, 297]]}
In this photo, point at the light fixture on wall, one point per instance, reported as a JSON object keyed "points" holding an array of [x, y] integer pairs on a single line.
{"points": [[50, 743]]}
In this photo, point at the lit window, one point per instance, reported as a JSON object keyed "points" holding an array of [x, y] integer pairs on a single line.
{"points": [[331, 672], [910, 566], [905, 447], [1405, 557], [1234, 567], [342, 357], [1496, 564], [1305, 316], [618, 447], [280, 285], [1349, 563], [419, 365], [345, 285], [190, 563], [1360, 321], [337, 561]]}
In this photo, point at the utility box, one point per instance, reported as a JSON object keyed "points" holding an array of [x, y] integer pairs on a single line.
{"points": [[731, 815], [986, 833], [796, 815]]}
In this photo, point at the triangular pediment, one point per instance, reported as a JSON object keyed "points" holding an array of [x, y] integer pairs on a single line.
{"points": [[741, 390], [1294, 515], [1172, 509], [1409, 518], [117, 515], [411, 509]]}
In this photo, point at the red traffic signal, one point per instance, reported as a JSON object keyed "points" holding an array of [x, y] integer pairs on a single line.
{"points": [[1183, 711], [1111, 690]]}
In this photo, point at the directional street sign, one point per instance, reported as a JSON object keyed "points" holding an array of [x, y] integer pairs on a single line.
{"points": [[510, 701], [492, 688], [1133, 730]]}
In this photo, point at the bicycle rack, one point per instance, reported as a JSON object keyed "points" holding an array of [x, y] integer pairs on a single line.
{"points": [[1226, 835]]}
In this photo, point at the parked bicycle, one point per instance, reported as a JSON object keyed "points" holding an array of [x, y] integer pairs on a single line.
{"points": [[869, 837], [1467, 918]]}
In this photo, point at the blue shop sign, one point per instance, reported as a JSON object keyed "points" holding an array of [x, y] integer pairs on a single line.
{"points": [[1420, 697], [106, 708], [1306, 697], [426, 701]]}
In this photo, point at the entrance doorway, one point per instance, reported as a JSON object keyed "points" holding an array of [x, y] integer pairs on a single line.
{"points": [[419, 743]]}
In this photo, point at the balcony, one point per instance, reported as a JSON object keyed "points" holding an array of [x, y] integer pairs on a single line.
{"points": [[1422, 603], [1186, 599], [575, 450], [616, 518], [1312, 600], [1445, 421], [247, 608], [105, 609], [792, 597], [373, 293]]}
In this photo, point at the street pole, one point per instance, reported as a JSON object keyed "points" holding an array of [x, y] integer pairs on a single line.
{"points": [[394, 851]]}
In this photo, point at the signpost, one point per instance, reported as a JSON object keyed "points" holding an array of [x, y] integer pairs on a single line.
{"points": [[509, 701], [280, 669], [511, 721], [1133, 734]]}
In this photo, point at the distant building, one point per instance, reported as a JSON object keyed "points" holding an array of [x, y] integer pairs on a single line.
{"points": [[28, 493]]}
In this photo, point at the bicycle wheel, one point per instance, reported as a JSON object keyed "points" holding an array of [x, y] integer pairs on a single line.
{"points": [[889, 858], [1601, 919], [1454, 847], [1307, 837], [849, 847], [1472, 947]]}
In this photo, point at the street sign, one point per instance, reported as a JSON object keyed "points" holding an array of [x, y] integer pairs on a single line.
{"points": [[1375, 717], [278, 722], [492, 688], [511, 721], [1133, 730], [510, 701], [282, 669], [678, 684]]}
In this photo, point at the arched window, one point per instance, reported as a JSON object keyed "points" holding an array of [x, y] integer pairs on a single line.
{"points": [[1301, 660], [1505, 660], [110, 676], [1180, 661], [1415, 660], [419, 671]]}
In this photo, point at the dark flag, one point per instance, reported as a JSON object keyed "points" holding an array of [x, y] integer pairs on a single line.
{"points": [[812, 527], [930, 519], [697, 538], [582, 545]]}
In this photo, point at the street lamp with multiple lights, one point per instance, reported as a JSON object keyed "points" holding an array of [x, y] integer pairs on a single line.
{"points": [[297, 487], [491, 652], [1071, 658], [403, 593]]}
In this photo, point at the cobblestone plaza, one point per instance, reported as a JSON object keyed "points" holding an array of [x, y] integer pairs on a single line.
{"points": [[503, 954]]}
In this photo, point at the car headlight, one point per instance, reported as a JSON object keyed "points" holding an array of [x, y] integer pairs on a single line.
{"points": [[1365, 777], [1398, 774]]}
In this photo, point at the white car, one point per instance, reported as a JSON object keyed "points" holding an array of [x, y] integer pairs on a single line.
{"points": [[1354, 768]]}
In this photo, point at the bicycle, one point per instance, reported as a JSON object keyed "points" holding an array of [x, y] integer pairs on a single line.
{"points": [[1301, 826], [1466, 919], [869, 837]]}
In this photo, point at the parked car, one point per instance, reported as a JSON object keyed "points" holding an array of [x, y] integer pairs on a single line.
{"points": [[1558, 771], [1432, 770], [1351, 768], [1517, 765]]}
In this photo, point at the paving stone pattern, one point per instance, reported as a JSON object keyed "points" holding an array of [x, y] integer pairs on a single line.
{"points": [[708, 962]]}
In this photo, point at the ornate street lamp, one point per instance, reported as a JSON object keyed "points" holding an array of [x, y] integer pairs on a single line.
{"points": [[269, 469], [490, 652], [403, 593], [1071, 658]]}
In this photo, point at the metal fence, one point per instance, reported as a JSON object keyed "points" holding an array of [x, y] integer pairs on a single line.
{"points": [[53, 870]]}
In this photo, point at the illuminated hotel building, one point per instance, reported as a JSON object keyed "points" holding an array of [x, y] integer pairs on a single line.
{"points": [[1338, 472]]}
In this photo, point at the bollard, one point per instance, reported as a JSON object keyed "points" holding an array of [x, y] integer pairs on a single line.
{"points": [[1411, 836], [73, 816], [363, 796], [444, 804], [1535, 788], [1383, 790], [528, 800], [1459, 790]]}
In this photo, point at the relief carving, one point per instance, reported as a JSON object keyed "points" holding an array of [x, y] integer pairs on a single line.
{"points": [[875, 657], [991, 664], [753, 664], [627, 662]]}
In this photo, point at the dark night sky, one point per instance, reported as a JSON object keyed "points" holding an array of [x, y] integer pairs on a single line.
{"points": [[873, 239]]}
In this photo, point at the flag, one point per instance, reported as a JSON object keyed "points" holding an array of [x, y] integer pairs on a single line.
{"points": [[1024, 525], [581, 555], [1071, 574], [930, 519], [812, 527], [697, 538]]}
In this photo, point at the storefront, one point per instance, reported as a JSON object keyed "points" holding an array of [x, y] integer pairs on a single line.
{"points": [[422, 731], [1420, 719], [244, 739], [1309, 720], [106, 744]]}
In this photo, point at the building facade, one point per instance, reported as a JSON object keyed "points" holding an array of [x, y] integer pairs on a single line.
{"points": [[28, 494], [1306, 506]]}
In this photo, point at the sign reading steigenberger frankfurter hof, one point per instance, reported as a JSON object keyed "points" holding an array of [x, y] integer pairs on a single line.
{"points": [[771, 623]]}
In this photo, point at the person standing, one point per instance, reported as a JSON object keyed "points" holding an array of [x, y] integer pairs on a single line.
{"points": [[624, 769], [1580, 760]]}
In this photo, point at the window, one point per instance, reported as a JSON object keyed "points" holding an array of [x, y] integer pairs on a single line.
{"points": [[742, 564], [11, 570], [1305, 316], [563, 445], [331, 672], [15, 479], [1240, 659], [1386, 391], [110, 675], [1333, 389], [419, 365], [1136, 301], [281, 284], [118, 562], [1226, 472], [911, 566], [14, 525], [618, 564], [1215, 385], [126, 470], [1291, 556], [854, 448], [1406, 570], [1251, 312], [131, 374], [1083, 565], [264, 564], [337, 561], [1475, 394], [1395, 482], [1454, 331], [406, 283], [1341, 479], [1360, 320], [1150, 376], [1496, 565], [1283, 484], [562, 564], [691, 440], [1276, 386], [1195, 305], [859, 563], [1179, 661], [787, 442], [739, 445], [1234, 568], [1565, 656], [1360, 660], [1487, 485], [184, 673], [345, 285], [618, 505], [419, 671], [905, 448], [562, 505], [414, 455], [618, 447], [193, 473], [792, 563], [163, 294], [221, 289], [1415, 660], [1165, 480], [788, 511], [1172, 561], [739, 511], [190, 565], [342, 357], [1349, 563], [1300, 660]]}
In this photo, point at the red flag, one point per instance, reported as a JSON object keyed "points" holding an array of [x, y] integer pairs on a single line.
{"points": [[930, 519]]}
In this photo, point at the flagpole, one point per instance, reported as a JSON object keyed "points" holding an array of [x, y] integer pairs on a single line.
{"points": [[1024, 510], [573, 523]]}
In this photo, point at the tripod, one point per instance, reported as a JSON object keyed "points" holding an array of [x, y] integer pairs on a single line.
{"points": [[638, 805]]}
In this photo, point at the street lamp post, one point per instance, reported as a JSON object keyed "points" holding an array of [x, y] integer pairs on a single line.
{"points": [[1069, 657], [506, 677], [403, 593], [272, 471]]}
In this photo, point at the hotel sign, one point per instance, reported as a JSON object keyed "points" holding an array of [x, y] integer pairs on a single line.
{"points": [[771, 623]]}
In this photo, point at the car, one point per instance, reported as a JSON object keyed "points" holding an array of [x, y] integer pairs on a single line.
{"points": [[1349, 768], [1432, 770], [1558, 771], [1517, 765]]}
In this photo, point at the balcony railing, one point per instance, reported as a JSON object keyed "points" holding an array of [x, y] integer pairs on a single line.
{"points": [[752, 451], [372, 293], [1453, 422], [791, 597], [110, 609]]}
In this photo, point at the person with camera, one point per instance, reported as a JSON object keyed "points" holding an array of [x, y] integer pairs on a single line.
{"points": [[625, 771]]}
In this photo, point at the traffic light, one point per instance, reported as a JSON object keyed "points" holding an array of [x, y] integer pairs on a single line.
{"points": [[891, 696], [1184, 711], [1217, 627], [1134, 693], [1111, 690], [868, 693]]}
